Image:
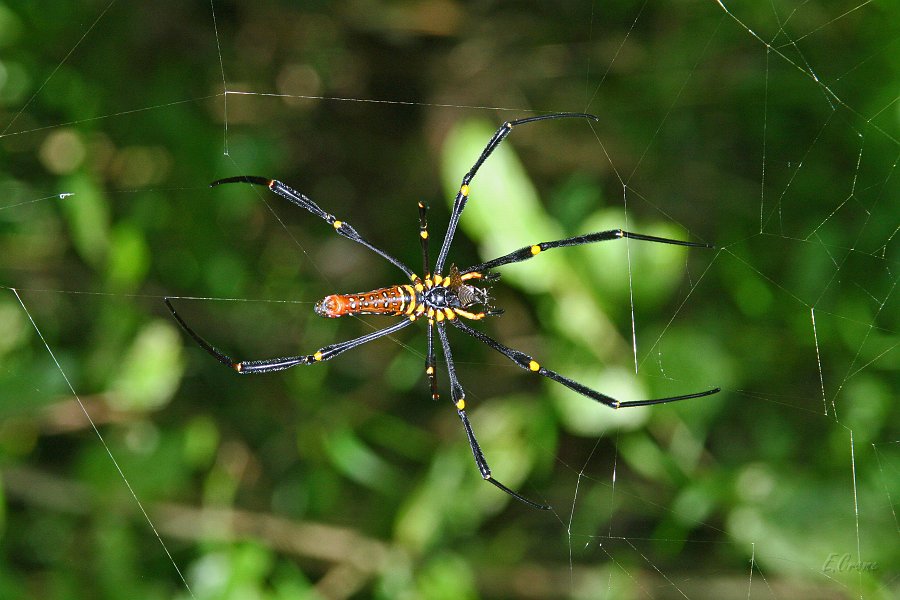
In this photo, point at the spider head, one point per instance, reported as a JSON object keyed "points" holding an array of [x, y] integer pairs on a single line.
{"points": [[470, 295], [463, 293]]}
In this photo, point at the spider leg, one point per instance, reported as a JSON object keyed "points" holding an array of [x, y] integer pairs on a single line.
{"points": [[430, 361], [600, 236], [529, 364], [269, 365], [423, 237], [462, 196], [458, 396], [341, 227]]}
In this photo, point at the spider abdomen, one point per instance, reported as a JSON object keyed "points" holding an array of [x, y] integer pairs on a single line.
{"points": [[394, 300]]}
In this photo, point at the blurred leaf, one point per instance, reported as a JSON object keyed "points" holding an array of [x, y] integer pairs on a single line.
{"points": [[624, 269], [129, 258], [10, 28], [201, 439], [232, 573], [13, 325], [448, 577], [150, 370], [358, 462], [87, 214]]}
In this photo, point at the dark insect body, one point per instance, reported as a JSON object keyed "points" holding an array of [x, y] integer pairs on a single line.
{"points": [[460, 295]]}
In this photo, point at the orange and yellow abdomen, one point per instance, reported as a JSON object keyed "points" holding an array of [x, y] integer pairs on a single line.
{"points": [[395, 300]]}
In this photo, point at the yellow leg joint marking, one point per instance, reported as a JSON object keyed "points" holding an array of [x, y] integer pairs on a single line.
{"points": [[438, 316], [467, 276], [237, 367], [430, 313], [429, 371], [317, 355], [420, 309], [461, 404], [464, 190], [412, 317], [535, 250], [437, 279], [337, 224], [420, 287], [534, 366], [424, 234], [448, 312]]}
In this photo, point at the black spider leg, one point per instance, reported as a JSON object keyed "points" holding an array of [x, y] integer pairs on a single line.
{"points": [[430, 362], [423, 236], [269, 365], [529, 364], [462, 195], [458, 396], [342, 227], [600, 236]]}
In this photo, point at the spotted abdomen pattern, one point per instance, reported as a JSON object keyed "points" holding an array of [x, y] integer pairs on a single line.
{"points": [[395, 300]]}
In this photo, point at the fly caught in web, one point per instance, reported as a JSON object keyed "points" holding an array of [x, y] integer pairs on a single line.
{"points": [[462, 294]]}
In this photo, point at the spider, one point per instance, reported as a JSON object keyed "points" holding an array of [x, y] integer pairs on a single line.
{"points": [[463, 294]]}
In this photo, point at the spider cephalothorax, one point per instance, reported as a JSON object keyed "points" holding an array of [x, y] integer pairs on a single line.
{"points": [[461, 291], [437, 299]]}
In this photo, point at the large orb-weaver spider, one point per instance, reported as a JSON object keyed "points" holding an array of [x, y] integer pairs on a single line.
{"points": [[439, 299]]}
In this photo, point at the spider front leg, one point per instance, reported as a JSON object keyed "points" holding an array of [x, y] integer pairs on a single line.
{"points": [[341, 227], [578, 240], [462, 196], [458, 396], [269, 365]]}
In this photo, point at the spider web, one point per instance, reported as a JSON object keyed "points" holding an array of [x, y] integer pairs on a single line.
{"points": [[769, 130]]}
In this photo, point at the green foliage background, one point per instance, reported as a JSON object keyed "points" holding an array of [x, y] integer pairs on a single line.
{"points": [[345, 480]]}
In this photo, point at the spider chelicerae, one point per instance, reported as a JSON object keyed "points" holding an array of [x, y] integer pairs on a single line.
{"points": [[438, 299]]}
